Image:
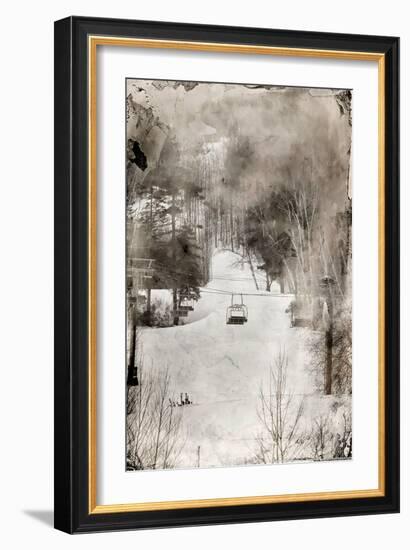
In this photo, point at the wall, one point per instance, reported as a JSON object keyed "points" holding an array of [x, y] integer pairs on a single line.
{"points": [[26, 276]]}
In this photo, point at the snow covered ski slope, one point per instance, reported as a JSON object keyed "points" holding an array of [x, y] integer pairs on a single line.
{"points": [[221, 367]]}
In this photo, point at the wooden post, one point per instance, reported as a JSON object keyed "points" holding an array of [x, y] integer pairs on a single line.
{"points": [[132, 379], [327, 285], [329, 360], [174, 258], [282, 283], [138, 275], [231, 220], [148, 319]]}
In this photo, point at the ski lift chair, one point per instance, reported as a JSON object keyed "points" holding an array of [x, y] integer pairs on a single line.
{"points": [[300, 315], [186, 303], [182, 312], [236, 313]]}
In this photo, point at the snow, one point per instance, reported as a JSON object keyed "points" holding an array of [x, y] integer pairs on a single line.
{"points": [[221, 366]]}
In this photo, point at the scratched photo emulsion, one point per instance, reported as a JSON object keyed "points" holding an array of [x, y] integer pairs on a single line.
{"points": [[238, 209]]}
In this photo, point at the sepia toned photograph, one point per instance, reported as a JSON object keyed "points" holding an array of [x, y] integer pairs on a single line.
{"points": [[227, 274], [238, 274]]}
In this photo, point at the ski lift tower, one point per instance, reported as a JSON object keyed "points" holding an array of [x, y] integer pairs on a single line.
{"points": [[139, 272]]}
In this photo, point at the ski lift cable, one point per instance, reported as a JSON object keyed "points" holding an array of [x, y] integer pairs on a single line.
{"points": [[243, 293], [169, 269], [237, 279], [220, 291], [173, 273], [159, 264], [228, 292]]}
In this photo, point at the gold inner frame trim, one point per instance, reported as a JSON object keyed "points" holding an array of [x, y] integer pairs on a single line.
{"points": [[93, 42]]}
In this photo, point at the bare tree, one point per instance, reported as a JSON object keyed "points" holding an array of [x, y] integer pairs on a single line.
{"points": [[321, 438], [343, 443], [279, 414], [331, 435], [154, 424], [301, 207]]}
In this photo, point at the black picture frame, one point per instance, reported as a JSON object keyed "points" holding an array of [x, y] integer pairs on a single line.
{"points": [[71, 418]]}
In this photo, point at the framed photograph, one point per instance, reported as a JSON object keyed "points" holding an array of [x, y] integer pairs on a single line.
{"points": [[226, 274]]}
